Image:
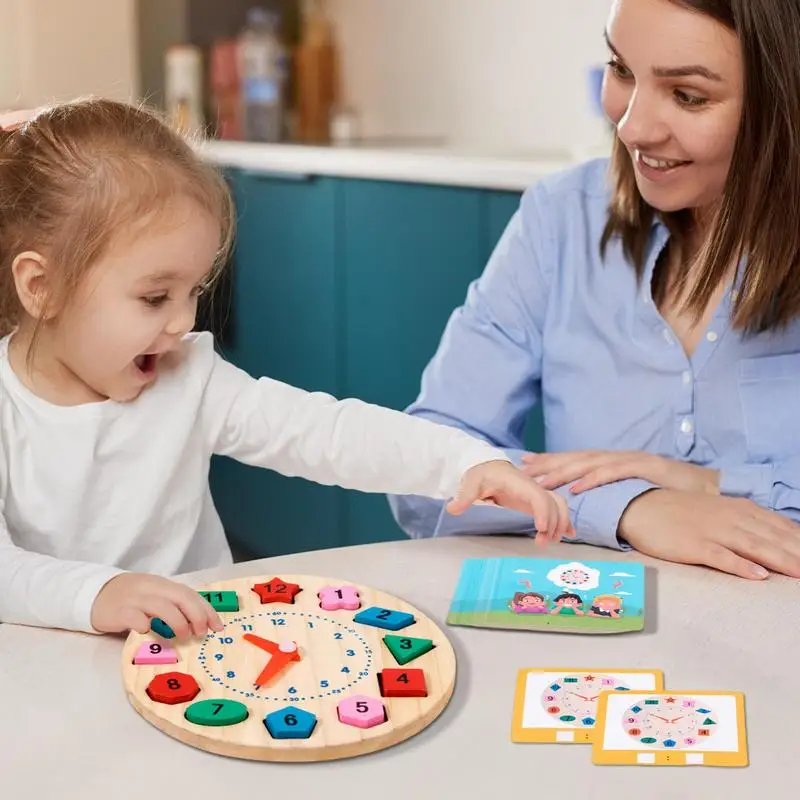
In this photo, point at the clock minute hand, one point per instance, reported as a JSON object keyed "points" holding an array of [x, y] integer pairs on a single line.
{"points": [[264, 644]]}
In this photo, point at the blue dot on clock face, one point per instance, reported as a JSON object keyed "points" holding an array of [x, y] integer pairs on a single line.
{"points": [[303, 680], [587, 721], [669, 743]]}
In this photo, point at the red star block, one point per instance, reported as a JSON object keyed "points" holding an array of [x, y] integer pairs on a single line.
{"points": [[589, 678], [670, 700], [276, 590]]}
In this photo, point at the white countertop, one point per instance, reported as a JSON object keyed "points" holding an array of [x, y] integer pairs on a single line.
{"points": [[428, 163], [67, 730]]}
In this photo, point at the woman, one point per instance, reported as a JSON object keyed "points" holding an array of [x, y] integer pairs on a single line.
{"points": [[651, 303]]}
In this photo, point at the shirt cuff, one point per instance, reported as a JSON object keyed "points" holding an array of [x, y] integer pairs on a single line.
{"points": [[484, 520], [84, 601], [753, 481], [599, 511]]}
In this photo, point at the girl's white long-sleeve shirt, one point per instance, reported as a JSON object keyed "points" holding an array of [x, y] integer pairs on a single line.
{"points": [[89, 491]]}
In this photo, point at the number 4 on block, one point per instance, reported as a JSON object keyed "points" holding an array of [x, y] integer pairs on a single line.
{"points": [[402, 683]]}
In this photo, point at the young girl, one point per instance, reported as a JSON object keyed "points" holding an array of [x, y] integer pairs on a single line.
{"points": [[110, 410]]}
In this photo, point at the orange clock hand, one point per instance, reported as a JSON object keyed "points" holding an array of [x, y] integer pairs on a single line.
{"points": [[284, 655], [264, 644]]}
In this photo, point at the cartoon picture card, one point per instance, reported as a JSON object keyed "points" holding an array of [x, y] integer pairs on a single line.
{"points": [[550, 595], [671, 729], [560, 704]]}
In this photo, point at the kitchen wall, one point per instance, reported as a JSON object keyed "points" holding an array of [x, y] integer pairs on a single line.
{"points": [[501, 74], [58, 49]]}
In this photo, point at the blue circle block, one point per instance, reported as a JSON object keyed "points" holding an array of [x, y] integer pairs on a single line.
{"points": [[290, 723], [161, 628]]}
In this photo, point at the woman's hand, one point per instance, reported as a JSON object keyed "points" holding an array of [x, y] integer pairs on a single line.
{"points": [[592, 468], [501, 483], [129, 601], [729, 534]]}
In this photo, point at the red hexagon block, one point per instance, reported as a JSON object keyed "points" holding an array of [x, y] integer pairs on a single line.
{"points": [[172, 688]]}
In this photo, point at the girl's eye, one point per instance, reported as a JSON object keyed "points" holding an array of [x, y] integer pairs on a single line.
{"points": [[689, 99], [619, 70], [155, 301]]}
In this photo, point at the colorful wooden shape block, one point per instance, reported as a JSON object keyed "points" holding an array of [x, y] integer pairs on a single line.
{"points": [[172, 688], [384, 618], [361, 711], [332, 598], [290, 723], [155, 653], [217, 712], [222, 601], [405, 648], [276, 591], [402, 683], [161, 628]]}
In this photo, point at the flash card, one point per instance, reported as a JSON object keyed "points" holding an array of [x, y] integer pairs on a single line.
{"points": [[671, 729], [560, 704]]}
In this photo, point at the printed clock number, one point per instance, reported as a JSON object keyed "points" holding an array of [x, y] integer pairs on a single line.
{"points": [[405, 644], [155, 648], [361, 707], [290, 719], [384, 614]]}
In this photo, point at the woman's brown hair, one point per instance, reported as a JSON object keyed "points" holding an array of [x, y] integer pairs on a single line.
{"points": [[79, 176], [759, 215]]}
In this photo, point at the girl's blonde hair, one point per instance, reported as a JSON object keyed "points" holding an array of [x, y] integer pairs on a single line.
{"points": [[81, 175]]}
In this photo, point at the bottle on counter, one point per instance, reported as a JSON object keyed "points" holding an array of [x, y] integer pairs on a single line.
{"points": [[183, 87], [315, 75], [263, 69], [225, 89]]}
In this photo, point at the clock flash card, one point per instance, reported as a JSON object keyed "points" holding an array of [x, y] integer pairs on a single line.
{"points": [[550, 595], [560, 705], [671, 729]]}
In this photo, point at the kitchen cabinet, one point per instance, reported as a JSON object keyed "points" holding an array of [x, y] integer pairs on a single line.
{"points": [[282, 323], [345, 286]]}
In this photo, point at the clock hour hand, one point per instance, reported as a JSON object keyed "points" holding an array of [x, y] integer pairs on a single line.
{"points": [[285, 654]]}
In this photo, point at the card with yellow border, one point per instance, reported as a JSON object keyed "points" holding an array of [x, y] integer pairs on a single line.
{"points": [[671, 729], [559, 704]]}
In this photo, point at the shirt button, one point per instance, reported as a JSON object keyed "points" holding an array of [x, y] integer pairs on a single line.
{"points": [[687, 377], [711, 336], [686, 426]]}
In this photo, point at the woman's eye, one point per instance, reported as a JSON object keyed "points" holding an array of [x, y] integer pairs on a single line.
{"points": [[154, 301], [686, 99], [619, 70]]}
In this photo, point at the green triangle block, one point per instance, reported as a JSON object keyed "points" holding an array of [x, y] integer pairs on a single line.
{"points": [[405, 649], [709, 721]]}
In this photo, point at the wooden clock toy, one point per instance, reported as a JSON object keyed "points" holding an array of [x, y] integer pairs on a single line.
{"points": [[306, 669]]}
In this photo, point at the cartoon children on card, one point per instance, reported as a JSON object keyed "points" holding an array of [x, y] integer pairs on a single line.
{"points": [[544, 594]]}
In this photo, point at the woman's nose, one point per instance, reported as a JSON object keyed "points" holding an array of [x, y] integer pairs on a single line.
{"points": [[641, 127]]}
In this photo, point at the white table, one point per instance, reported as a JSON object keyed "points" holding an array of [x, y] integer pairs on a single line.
{"points": [[67, 730]]}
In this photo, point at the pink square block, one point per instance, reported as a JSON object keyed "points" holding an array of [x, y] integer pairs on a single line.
{"points": [[155, 653]]}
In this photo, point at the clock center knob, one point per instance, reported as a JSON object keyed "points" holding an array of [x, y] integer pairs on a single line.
{"points": [[287, 647]]}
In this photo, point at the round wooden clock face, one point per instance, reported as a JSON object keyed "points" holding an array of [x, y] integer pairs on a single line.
{"points": [[305, 669], [672, 722], [572, 699]]}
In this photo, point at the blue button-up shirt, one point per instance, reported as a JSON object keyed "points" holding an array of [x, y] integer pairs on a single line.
{"points": [[551, 322]]}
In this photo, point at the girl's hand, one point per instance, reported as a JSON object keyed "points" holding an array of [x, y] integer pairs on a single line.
{"points": [[726, 533], [592, 468], [128, 602], [503, 484]]}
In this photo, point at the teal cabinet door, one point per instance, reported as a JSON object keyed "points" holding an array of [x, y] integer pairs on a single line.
{"points": [[409, 253], [283, 324], [501, 207]]}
